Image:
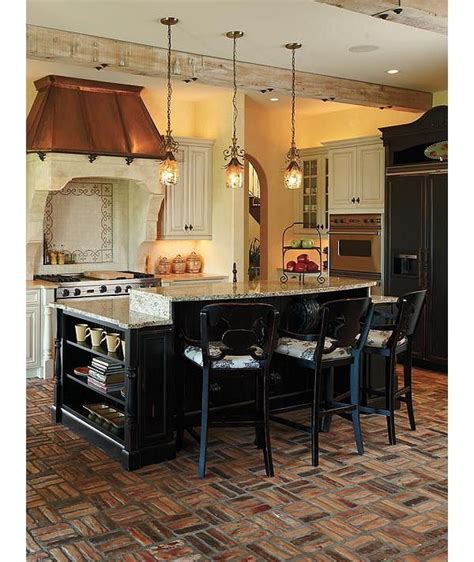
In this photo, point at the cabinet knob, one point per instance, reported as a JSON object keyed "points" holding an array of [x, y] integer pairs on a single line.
{"points": [[358, 199], [190, 227], [186, 227], [353, 200]]}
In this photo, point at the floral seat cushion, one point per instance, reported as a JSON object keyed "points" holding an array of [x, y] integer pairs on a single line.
{"points": [[194, 353], [379, 338], [305, 349]]}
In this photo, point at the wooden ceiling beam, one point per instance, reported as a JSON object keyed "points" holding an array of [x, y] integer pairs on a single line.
{"points": [[430, 15], [55, 45]]}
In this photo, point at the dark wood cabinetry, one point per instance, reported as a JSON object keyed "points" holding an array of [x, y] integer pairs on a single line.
{"points": [[416, 228], [147, 434]]}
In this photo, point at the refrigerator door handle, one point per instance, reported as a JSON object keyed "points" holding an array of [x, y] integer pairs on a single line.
{"points": [[421, 268]]}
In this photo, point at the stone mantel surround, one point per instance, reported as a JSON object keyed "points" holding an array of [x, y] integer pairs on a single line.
{"points": [[56, 170]]}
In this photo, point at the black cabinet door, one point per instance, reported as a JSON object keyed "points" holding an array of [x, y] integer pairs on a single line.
{"points": [[437, 277], [405, 235]]}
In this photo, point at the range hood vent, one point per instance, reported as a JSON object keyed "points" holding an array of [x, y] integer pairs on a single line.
{"points": [[89, 117]]}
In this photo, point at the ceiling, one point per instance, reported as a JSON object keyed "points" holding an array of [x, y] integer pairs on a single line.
{"points": [[326, 33]]}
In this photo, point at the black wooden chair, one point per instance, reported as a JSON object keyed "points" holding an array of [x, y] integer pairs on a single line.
{"points": [[236, 339], [390, 340], [334, 336]]}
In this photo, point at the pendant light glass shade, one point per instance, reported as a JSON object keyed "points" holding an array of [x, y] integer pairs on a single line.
{"points": [[234, 174], [234, 169], [293, 176], [169, 172]]}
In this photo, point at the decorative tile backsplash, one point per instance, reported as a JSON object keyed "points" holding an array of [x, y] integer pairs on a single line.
{"points": [[80, 219]]}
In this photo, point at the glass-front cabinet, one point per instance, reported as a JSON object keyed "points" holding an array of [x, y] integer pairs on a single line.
{"points": [[311, 202]]}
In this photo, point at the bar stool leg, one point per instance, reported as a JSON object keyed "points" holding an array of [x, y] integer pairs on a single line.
{"points": [[407, 368], [355, 393], [389, 401], [315, 415], [267, 448], [180, 393], [204, 422], [328, 398], [259, 431]]}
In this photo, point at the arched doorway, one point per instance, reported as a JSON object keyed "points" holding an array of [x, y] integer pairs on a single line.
{"points": [[256, 226]]}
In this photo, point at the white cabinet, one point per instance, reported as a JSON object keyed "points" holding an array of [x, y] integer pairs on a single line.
{"points": [[311, 202], [356, 175], [39, 326], [33, 332], [186, 213]]}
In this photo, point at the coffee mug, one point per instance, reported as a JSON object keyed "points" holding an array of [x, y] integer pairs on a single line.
{"points": [[123, 348], [82, 332], [97, 336], [113, 342]]}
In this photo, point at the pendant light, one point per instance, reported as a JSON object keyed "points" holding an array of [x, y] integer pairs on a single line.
{"points": [[169, 166], [234, 169], [293, 174]]}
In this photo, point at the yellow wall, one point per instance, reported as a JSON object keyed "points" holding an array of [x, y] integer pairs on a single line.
{"points": [[347, 124], [440, 98]]}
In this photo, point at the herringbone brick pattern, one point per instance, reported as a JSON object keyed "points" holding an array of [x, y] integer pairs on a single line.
{"points": [[390, 504]]}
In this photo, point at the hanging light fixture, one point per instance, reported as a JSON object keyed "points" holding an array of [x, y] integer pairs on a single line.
{"points": [[169, 166], [293, 174], [234, 169]]}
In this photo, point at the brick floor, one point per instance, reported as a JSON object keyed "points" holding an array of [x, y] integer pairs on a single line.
{"points": [[390, 504]]}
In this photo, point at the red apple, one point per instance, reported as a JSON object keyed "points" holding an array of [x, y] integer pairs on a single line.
{"points": [[301, 267], [290, 266], [312, 267], [302, 258]]}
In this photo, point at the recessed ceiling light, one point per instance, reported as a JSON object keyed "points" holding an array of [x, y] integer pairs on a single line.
{"points": [[392, 71], [274, 99], [363, 48]]}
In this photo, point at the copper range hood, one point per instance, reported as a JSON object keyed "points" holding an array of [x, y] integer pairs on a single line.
{"points": [[89, 117]]}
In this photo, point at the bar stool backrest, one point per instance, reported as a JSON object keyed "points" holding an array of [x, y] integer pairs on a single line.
{"points": [[242, 328], [410, 306], [348, 322]]}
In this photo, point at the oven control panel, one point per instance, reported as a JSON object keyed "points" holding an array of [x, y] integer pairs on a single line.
{"points": [[355, 222]]}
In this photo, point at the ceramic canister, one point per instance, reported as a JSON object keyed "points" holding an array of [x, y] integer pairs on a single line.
{"points": [[164, 266], [178, 265], [193, 263]]}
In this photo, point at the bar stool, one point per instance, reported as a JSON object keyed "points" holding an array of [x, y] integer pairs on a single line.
{"points": [[338, 331], [236, 339], [388, 341]]}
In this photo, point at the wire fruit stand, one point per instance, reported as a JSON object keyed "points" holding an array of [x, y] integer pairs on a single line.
{"points": [[289, 247]]}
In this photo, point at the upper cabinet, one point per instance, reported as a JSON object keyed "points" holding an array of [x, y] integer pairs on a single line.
{"points": [[356, 175], [186, 213], [311, 202]]}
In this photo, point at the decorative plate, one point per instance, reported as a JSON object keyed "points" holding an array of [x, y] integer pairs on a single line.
{"points": [[437, 151], [81, 371]]}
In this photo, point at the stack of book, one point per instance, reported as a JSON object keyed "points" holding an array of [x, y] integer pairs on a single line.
{"points": [[106, 375]]}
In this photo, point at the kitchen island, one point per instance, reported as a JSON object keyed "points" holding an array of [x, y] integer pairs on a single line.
{"points": [[152, 322]]}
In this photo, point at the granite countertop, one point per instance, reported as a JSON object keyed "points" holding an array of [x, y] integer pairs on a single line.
{"points": [[177, 277], [115, 310], [383, 299], [39, 284], [158, 300]]}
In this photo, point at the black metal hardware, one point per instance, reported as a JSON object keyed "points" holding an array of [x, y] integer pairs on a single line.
{"points": [[92, 157], [190, 227], [186, 227], [41, 156], [234, 273], [358, 199], [301, 276], [353, 200], [129, 160]]}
